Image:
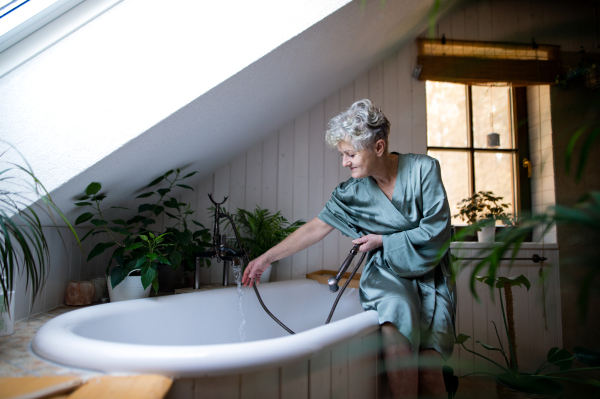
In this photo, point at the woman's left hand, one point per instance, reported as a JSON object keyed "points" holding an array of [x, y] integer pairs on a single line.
{"points": [[369, 242]]}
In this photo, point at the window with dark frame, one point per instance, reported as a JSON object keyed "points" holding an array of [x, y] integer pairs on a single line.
{"points": [[479, 136]]}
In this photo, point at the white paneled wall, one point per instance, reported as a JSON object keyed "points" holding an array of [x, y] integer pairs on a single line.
{"points": [[540, 151]]}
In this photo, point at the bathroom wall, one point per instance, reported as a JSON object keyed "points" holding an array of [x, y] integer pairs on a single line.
{"points": [[294, 172]]}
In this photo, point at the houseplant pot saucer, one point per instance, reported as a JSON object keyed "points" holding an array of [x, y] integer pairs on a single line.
{"points": [[527, 387]]}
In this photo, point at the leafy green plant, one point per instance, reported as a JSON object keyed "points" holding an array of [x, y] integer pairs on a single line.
{"points": [[23, 244], [261, 230], [510, 374], [138, 247], [483, 206]]}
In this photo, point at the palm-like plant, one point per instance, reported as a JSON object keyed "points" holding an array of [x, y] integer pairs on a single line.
{"points": [[23, 245], [261, 230]]}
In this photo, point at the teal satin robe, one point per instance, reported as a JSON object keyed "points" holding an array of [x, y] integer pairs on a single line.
{"points": [[402, 280]]}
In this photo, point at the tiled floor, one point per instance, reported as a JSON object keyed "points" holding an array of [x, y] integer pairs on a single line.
{"points": [[16, 358]]}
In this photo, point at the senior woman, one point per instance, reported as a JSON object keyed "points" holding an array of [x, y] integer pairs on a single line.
{"points": [[395, 206]]}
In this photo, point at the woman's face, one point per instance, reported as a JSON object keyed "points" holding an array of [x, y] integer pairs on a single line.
{"points": [[359, 162]]}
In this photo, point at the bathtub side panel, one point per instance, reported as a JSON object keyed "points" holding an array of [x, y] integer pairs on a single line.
{"points": [[339, 371], [261, 384], [295, 381], [320, 376], [222, 387]]}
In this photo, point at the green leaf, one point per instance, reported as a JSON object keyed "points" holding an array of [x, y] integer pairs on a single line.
{"points": [[145, 195], [168, 173], [82, 203], [85, 197], [172, 216], [148, 275], [83, 218], [99, 249], [151, 234], [163, 260], [560, 357], [587, 356], [134, 246], [152, 256], [93, 188], [120, 221], [145, 207], [462, 338], [99, 197], [184, 186], [163, 191], [158, 209], [87, 235], [198, 224], [188, 175], [175, 258], [143, 237], [139, 262], [146, 222], [121, 230], [156, 181], [135, 219], [98, 222], [489, 347], [117, 274]]}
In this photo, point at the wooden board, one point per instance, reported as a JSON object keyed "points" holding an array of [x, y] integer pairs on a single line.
{"points": [[36, 387], [323, 275], [131, 387]]}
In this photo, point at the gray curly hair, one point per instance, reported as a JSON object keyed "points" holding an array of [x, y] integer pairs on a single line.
{"points": [[362, 125]]}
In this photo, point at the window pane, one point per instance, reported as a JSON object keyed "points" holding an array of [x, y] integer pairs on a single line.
{"points": [[491, 114], [456, 176], [446, 114], [494, 172]]}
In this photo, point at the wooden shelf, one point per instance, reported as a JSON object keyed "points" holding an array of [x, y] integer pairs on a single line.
{"points": [[323, 275]]}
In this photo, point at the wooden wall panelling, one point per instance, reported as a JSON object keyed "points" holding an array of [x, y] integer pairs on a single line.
{"points": [[300, 179], [511, 20], [237, 185], [357, 375], [552, 302], [376, 85], [444, 28], [316, 175], [294, 381], [472, 22], [419, 108], [521, 308], [499, 13], [54, 265], [390, 99], [285, 189], [405, 105], [348, 95], [464, 314], [536, 317], [331, 179], [64, 261], [222, 183], [204, 216], [269, 173], [524, 20], [458, 25], [254, 169], [484, 20]]}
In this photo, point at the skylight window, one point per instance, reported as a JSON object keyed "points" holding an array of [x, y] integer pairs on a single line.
{"points": [[19, 18]]}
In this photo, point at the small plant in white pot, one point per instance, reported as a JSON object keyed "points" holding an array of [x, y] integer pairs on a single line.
{"points": [[484, 208]]}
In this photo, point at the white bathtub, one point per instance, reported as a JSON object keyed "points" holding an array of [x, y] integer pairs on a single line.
{"points": [[195, 338]]}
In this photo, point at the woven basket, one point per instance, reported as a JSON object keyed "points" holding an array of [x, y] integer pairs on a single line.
{"points": [[506, 392]]}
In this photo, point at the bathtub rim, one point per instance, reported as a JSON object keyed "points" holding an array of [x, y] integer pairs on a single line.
{"points": [[189, 360]]}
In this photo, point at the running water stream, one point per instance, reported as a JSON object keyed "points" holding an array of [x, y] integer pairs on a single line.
{"points": [[237, 272]]}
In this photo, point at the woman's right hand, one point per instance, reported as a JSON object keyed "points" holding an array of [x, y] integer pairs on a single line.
{"points": [[254, 270]]}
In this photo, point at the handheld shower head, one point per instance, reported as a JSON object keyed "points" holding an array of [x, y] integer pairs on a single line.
{"points": [[333, 281]]}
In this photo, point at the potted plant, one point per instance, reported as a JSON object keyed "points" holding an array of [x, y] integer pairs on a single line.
{"points": [[140, 250], [511, 381], [23, 244], [260, 231], [483, 208]]}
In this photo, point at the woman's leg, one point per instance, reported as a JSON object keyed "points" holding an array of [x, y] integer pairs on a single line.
{"points": [[431, 379], [400, 363]]}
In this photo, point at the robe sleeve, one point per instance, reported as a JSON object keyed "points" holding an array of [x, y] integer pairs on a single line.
{"points": [[415, 252], [338, 215]]}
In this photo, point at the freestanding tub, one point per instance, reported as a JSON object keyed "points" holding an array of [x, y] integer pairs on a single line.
{"points": [[196, 339]]}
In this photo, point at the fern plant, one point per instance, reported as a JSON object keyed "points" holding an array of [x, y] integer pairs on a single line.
{"points": [[261, 230]]}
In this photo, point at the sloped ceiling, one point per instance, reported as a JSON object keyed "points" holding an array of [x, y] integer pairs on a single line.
{"points": [[227, 119]]}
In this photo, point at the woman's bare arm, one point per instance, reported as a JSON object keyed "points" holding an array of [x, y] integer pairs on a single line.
{"points": [[306, 235]]}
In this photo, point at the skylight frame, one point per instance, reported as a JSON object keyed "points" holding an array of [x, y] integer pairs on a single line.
{"points": [[27, 16]]}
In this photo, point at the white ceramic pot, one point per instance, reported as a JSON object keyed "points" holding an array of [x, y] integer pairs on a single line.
{"points": [[487, 234], [7, 324], [130, 288], [264, 278]]}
